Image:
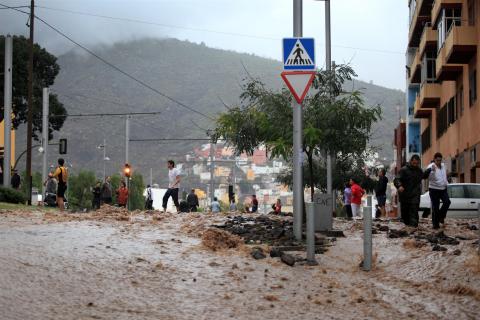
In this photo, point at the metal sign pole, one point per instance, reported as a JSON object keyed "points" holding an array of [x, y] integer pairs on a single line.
{"points": [[45, 133], [7, 96], [367, 235], [297, 139]]}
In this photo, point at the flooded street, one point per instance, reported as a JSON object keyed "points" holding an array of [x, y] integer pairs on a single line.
{"points": [[90, 267]]}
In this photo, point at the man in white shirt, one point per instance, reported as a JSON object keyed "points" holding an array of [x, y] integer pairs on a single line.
{"points": [[437, 188], [173, 185]]}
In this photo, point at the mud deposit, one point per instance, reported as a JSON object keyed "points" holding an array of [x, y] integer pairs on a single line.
{"points": [[119, 265]]}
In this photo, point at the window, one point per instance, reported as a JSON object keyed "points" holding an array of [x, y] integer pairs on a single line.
{"points": [[426, 139], [428, 67], [460, 102], [472, 90], [412, 6], [473, 191], [454, 165], [471, 12], [451, 112], [455, 191], [442, 120], [449, 17]]}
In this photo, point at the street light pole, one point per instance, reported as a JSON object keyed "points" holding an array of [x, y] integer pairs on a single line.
{"points": [[104, 158]]}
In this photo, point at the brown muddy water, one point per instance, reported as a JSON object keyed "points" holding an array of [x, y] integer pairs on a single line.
{"points": [[135, 267]]}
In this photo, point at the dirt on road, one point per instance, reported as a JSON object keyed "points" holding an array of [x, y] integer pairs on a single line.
{"points": [[113, 264]]}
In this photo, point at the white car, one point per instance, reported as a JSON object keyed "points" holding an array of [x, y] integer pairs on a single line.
{"points": [[464, 197]]}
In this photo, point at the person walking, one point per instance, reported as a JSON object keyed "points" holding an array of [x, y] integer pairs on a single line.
{"points": [[15, 181], [408, 183], [107, 191], [61, 174], [254, 204], [215, 206], [97, 195], [381, 191], [122, 195], [149, 198], [437, 188], [347, 200], [356, 199], [192, 201], [173, 185]]}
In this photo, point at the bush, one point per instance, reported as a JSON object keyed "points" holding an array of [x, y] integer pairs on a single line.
{"points": [[12, 196]]}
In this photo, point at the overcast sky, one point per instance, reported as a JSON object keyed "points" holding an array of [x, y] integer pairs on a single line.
{"points": [[371, 34]]}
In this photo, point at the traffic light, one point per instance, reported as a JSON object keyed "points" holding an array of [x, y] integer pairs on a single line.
{"points": [[62, 146], [127, 170]]}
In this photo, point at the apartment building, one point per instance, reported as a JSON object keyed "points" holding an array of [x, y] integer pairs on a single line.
{"points": [[442, 83]]}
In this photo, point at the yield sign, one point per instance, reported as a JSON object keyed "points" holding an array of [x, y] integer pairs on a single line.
{"points": [[298, 82]]}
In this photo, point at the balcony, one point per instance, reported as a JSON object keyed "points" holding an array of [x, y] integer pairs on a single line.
{"points": [[429, 95], [445, 71], [461, 44], [418, 112], [415, 69], [428, 40], [420, 17], [443, 4]]}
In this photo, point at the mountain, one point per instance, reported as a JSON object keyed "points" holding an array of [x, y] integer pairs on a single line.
{"points": [[204, 79]]}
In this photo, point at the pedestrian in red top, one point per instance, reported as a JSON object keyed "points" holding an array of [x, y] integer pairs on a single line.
{"points": [[122, 195], [357, 194]]}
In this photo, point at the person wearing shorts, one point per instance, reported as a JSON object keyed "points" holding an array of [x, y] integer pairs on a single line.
{"points": [[61, 175]]}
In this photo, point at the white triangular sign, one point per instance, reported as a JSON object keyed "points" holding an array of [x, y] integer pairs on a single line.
{"points": [[298, 82], [298, 56]]}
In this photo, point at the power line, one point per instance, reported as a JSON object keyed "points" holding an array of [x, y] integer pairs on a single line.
{"points": [[72, 96], [114, 66]]}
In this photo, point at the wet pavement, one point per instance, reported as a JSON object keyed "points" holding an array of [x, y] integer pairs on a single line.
{"points": [[131, 266]]}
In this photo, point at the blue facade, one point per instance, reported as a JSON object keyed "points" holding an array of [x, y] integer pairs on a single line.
{"points": [[414, 144], [411, 96]]}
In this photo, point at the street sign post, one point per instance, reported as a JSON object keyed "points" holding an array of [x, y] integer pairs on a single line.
{"points": [[299, 72]]}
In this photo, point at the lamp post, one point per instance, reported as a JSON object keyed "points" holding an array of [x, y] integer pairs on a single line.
{"points": [[105, 158]]}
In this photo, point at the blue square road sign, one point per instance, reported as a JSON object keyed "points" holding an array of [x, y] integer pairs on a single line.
{"points": [[298, 54]]}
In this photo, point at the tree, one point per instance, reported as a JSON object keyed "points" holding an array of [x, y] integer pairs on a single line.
{"points": [[79, 192], [45, 69], [36, 181], [335, 121], [137, 200]]}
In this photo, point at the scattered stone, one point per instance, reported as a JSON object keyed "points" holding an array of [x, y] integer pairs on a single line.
{"points": [[383, 228], [257, 253], [275, 253], [438, 248], [90, 304], [288, 259], [457, 252], [392, 233], [473, 227]]}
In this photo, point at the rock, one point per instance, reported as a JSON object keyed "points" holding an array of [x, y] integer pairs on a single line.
{"points": [[473, 227], [275, 253], [288, 259], [438, 248], [392, 233], [457, 252], [383, 228], [257, 253]]}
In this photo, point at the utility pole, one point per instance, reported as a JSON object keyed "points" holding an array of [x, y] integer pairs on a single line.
{"points": [[45, 136], [328, 63], [7, 115], [297, 139], [151, 177], [212, 173], [30, 105], [127, 137]]}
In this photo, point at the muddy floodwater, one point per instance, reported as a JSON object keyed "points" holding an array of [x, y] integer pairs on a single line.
{"points": [[148, 266]]}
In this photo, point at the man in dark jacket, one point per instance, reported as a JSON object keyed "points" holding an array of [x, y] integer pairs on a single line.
{"points": [[381, 191], [192, 201], [408, 182]]}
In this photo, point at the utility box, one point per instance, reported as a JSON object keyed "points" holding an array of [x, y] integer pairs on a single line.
{"points": [[323, 211]]}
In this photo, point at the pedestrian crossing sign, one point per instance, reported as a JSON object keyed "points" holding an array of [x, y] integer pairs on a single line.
{"points": [[298, 54]]}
